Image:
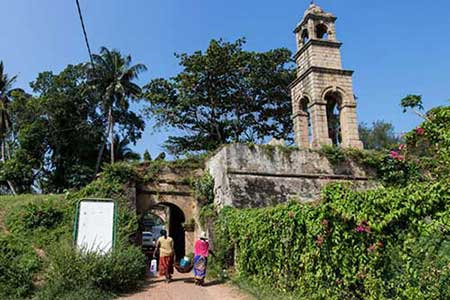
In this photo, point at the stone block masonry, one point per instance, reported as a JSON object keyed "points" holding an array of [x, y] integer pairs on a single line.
{"points": [[323, 102], [258, 176]]}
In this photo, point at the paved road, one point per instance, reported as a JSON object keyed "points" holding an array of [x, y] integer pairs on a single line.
{"points": [[182, 288]]}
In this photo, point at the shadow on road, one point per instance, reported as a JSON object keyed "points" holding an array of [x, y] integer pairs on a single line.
{"points": [[213, 282]]}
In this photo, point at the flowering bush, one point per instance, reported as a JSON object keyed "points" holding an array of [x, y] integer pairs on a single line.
{"points": [[355, 245], [388, 243]]}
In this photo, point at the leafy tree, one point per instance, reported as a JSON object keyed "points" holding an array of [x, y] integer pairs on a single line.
{"points": [[222, 95], [147, 156], [161, 156], [413, 102], [380, 136], [19, 171], [112, 76], [58, 129], [429, 143]]}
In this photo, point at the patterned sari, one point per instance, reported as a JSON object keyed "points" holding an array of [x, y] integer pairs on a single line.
{"points": [[200, 263]]}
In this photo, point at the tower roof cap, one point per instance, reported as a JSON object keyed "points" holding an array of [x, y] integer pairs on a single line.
{"points": [[315, 9], [314, 12]]}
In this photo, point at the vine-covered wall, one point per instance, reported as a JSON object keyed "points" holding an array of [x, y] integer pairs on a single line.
{"points": [[387, 243]]}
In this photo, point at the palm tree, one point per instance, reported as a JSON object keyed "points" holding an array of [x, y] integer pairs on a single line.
{"points": [[122, 152], [6, 84], [112, 74], [5, 120]]}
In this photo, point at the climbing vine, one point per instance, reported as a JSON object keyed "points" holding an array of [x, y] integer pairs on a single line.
{"points": [[388, 243], [204, 188], [355, 245]]}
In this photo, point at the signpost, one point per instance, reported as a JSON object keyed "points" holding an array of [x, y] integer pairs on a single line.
{"points": [[95, 225]]}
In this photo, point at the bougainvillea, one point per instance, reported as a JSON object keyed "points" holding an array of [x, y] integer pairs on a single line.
{"points": [[355, 245], [389, 243]]}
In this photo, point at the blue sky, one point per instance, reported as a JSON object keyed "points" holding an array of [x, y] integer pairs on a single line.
{"points": [[395, 47]]}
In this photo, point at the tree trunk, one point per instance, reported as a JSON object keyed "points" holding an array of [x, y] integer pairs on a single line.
{"points": [[102, 147], [423, 116], [11, 187], [111, 135], [8, 152], [3, 159], [3, 150]]}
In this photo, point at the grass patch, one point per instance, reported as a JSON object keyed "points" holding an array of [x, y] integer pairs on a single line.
{"points": [[10, 202], [263, 292]]}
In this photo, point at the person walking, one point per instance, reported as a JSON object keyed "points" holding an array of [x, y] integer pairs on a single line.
{"points": [[166, 252], [201, 253]]}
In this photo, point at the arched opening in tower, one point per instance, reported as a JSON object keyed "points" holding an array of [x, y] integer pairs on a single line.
{"points": [[306, 116], [305, 36], [334, 103], [166, 216], [322, 31]]}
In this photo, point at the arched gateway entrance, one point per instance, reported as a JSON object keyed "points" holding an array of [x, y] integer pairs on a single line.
{"points": [[165, 216], [168, 203]]}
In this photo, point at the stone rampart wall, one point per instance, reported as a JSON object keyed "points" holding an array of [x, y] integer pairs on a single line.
{"points": [[256, 176]]}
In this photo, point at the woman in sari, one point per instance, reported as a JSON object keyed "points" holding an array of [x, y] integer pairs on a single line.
{"points": [[201, 252], [166, 251]]}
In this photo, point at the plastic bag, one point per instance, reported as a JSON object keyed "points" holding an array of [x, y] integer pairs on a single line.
{"points": [[153, 267]]}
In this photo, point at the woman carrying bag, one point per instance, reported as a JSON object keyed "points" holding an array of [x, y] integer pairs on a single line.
{"points": [[166, 252], [201, 253]]}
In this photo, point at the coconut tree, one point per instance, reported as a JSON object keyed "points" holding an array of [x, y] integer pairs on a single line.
{"points": [[112, 75], [6, 84], [122, 151]]}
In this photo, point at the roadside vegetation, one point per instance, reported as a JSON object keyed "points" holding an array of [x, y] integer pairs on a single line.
{"points": [[389, 243], [69, 137], [37, 257]]}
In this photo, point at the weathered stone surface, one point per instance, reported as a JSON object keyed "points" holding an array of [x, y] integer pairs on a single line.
{"points": [[256, 176], [171, 190], [319, 75]]}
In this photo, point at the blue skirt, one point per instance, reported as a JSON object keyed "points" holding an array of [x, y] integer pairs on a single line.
{"points": [[200, 263]]}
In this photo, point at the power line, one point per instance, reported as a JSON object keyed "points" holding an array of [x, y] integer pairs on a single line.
{"points": [[84, 32]]}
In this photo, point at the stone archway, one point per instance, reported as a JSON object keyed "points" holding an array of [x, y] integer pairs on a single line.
{"points": [[334, 102], [172, 219], [173, 194]]}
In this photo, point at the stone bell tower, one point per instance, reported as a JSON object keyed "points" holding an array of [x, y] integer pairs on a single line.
{"points": [[324, 106]]}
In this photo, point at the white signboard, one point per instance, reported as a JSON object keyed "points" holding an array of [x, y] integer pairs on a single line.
{"points": [[95, 226]]}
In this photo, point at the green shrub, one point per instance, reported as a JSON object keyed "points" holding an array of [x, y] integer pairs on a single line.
{"points": [[120, 172], [335, 155], [113, 183], [18, 264], [389, 243], [71, 270], [41, 221], [204, 189], [38, 214]]}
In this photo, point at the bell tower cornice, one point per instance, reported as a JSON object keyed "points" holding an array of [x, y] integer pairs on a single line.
{"points": [[323, 43]]}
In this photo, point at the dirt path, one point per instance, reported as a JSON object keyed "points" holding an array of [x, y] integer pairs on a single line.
{"points": [[182, 288]]}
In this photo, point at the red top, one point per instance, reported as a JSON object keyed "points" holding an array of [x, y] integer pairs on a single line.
{"points": [[201, 248]]}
